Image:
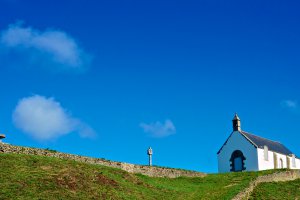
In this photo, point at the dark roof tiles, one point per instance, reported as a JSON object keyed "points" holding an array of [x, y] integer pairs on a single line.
{"points": [[272, 145]]}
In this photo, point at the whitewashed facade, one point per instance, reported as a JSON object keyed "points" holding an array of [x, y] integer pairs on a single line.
{"points": [[243, 151]]}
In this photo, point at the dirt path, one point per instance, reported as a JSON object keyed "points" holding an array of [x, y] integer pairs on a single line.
{"points": [[276, 177]]}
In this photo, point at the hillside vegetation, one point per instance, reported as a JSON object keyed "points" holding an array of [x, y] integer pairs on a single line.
{"points": [[277, 190], [37, 177]]}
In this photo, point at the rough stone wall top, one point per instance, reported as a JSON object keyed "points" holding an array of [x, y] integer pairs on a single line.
{"points": [[146, 170]]}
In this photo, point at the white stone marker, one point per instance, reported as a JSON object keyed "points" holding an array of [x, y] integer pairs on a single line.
{"points": [[150, 152]]}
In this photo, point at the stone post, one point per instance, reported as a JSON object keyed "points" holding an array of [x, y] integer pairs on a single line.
{"points": [[150, 152]]}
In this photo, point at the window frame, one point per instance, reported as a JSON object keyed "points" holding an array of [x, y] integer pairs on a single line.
{"points": [[266, 153], [293, 160]]}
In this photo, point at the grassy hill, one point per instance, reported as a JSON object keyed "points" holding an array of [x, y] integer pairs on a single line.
{"points": [[37, 177], [279, 190]]}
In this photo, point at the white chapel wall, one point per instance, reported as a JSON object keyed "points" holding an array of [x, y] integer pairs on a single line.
{"points": [[269, 164], [283, 158], [297, 163], [265, 164], [237, 142]]}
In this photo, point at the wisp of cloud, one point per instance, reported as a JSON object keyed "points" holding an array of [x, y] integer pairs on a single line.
{"points": [[45, 119], [158, 129], [291, 104], [53, 49]]}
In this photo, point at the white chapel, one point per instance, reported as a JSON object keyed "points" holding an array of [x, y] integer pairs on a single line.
{"points": [[243, 151]]}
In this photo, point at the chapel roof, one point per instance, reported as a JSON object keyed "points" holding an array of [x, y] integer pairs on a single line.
{"points": [[261, 142], [257, 141]]}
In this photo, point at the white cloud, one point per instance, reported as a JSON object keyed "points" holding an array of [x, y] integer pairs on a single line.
{"points": [[50, 48], [45, 119], [158, 129], [291, 104]]}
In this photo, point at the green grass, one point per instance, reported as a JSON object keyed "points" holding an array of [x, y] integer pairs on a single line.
{"points": [[37, 177], [277, 190]]}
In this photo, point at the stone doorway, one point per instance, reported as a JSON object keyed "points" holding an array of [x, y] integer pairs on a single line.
{"points": [[237, 161]]}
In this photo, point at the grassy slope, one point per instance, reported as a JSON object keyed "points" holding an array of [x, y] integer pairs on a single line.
{"points": [[279, 190], [36, 177]]}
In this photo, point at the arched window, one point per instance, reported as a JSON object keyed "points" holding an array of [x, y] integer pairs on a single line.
{"points": [[280, 163], [237, 161]]}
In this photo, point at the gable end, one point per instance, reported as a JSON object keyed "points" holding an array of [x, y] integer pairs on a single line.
{"points": [[242, 135]]}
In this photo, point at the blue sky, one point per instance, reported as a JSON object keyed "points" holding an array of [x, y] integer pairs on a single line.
{"points": [[109, 79]]}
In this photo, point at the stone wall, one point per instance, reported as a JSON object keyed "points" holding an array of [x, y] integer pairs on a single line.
{"points": [[146, 170], [276, 177]]}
